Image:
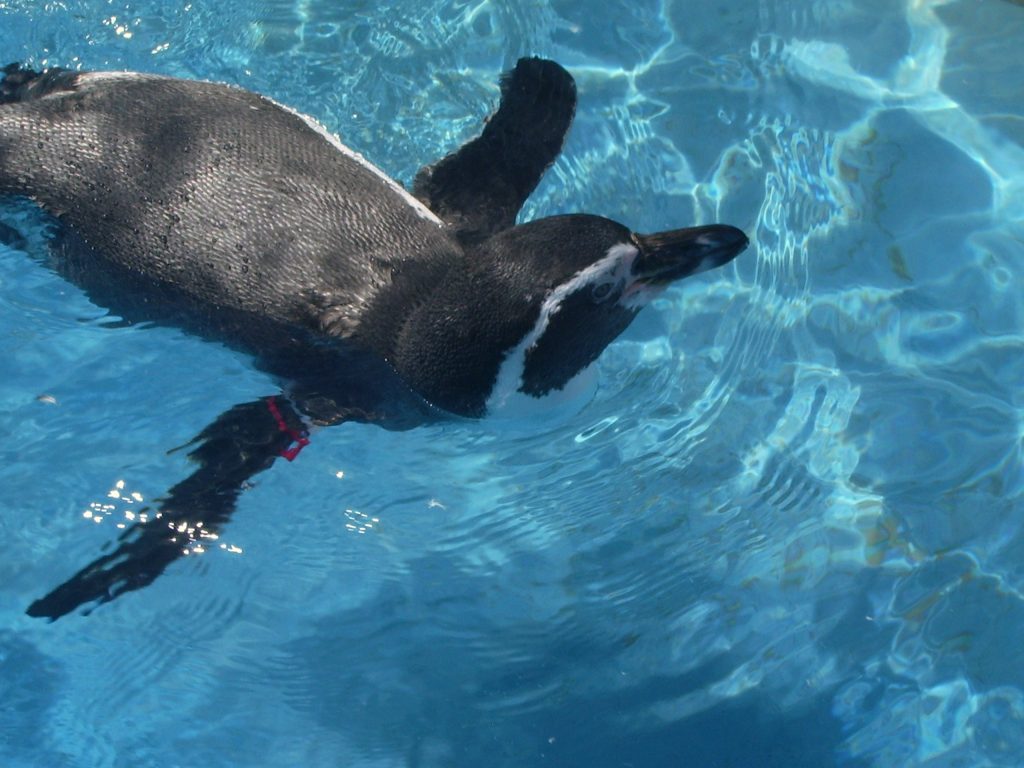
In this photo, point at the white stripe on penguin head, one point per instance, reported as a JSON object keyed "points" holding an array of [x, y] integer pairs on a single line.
{"points": [[617, 264]]}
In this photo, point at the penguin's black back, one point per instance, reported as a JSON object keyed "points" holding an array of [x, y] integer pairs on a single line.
{"points": [[216, 191]]}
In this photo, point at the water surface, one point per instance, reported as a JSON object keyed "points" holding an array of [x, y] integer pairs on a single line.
{"points": [[786, 532]]}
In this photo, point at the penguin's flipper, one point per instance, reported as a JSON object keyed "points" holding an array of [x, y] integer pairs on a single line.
{"points": [[240, 443], [479, 189]]}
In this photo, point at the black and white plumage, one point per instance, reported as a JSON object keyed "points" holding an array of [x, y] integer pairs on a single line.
{"points": [[238, 219]]}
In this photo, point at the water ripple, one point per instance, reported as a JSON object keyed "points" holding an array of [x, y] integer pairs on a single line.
{"points": [[821, 443]]}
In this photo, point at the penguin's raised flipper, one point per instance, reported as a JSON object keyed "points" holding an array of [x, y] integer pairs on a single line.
{"points": [[479, 189], [240, 443]]}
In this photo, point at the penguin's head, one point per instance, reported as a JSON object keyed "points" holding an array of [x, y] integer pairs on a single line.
{"points": [[539, 302], [598, 275]]}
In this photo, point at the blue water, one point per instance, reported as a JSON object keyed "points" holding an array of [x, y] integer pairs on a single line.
{"points": [[789, 529]]}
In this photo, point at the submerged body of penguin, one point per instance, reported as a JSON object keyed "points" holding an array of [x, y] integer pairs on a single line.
{"points": [[227, 214]]}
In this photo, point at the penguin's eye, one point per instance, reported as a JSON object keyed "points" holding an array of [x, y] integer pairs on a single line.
{"points": [[602, 291]]}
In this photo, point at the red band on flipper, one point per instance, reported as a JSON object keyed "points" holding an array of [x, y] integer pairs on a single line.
{"points": [[299, 439]]}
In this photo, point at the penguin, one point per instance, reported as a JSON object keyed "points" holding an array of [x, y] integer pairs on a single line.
{"points": [[242, 221]]}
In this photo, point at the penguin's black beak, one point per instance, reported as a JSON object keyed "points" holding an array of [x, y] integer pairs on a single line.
{"points": [[668, 256]]}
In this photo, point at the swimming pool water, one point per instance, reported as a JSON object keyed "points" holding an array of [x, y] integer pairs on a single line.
{"points": [[788, 530]]}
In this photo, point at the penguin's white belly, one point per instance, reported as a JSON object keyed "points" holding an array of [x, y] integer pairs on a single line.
{"points": [[510, 406]]}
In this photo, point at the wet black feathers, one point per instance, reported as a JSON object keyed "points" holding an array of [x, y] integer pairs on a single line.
{"points": [[21, 84], [479, 189]]}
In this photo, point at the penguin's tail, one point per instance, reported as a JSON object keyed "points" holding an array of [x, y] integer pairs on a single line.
{"points": [[23, 84]]}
